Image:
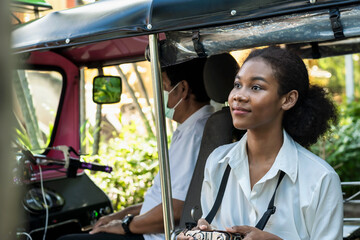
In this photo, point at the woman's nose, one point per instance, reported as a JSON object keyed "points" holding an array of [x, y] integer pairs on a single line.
{"points": [[240, 96]]}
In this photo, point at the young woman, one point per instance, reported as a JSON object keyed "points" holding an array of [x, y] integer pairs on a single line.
{"points": [[283, 114]]}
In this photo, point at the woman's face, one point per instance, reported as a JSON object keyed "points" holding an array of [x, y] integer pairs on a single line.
{"points": [[254, 101]]}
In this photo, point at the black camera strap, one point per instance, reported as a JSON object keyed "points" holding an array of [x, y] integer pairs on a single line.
{"points": [[219, 196], [264, 219], [271, 208]]}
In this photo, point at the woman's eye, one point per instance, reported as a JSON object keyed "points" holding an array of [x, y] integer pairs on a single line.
{"points": [[237, 85], [256, 88]]}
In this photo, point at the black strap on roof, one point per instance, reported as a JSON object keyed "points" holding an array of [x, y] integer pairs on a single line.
{"points": [[336, 23], [198, 46], [315, 51]]}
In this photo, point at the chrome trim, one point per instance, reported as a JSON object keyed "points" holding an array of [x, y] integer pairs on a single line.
{"points": [[161, 137]]}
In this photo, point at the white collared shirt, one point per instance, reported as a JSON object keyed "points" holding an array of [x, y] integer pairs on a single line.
{"points": [[309, 203], [183, 154]]}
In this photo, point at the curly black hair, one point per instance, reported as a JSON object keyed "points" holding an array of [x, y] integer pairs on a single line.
{"points": [[314, 112]]}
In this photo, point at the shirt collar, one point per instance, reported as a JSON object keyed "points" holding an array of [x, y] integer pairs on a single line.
{"points": [[237, 153], [190, 121], [286, 160]]}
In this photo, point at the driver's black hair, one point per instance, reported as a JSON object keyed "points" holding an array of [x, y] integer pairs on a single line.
{"points": [[192, 72], [314, 112]]}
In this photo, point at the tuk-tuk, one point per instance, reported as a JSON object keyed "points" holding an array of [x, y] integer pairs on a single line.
{"points": [[110, 32]]}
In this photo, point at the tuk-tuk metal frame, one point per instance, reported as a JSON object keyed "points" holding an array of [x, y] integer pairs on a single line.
{"points": [[161, 137]]}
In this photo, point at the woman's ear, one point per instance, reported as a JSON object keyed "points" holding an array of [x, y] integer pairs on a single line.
{"points": [[290, 99]]}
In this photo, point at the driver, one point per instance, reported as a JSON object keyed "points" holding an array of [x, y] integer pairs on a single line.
{"points": [[187, 103]]}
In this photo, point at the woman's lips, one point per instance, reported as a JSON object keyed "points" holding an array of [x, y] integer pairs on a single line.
{"points": [[240, 110]]}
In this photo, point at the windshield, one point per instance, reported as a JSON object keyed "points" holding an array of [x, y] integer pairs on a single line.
{"points": [[36, 100]]}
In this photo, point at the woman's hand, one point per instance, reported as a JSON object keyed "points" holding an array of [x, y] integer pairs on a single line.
{"points": [[252, 233], [202, 225]]}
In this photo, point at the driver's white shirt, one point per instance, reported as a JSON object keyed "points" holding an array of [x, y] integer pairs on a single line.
{"points": [[183, 153], [309, 203]]}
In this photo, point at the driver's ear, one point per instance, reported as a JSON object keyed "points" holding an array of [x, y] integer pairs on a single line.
{"points": [[185, 88], [290, 99]]}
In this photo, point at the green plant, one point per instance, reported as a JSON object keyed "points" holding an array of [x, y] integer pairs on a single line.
{"points": [[341, 147], [26, 104], [134, 159]]}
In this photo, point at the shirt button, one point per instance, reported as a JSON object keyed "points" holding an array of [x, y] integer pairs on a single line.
{"points": [[253, 193]]}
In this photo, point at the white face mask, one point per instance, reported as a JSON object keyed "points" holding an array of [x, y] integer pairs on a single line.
{"points": [[169, 112]]}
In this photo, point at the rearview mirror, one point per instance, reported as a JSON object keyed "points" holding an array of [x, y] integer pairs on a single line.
{"points": [[107, 89]]}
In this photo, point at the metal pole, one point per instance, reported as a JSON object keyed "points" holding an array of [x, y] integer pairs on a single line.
{"points": [[97, 122], [349, 78], [83, 147], [161, 137]]}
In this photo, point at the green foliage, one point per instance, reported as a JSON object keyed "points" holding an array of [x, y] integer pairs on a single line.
{"points": [[134, 159], [341, 147], [25, 99], [336, 66], [22, 138]]}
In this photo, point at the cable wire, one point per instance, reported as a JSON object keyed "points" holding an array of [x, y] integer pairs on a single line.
{"points": [[24, 233], [45, 204]]}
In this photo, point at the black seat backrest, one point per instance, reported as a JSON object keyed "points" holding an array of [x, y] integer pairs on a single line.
{"points": [[219, 74]]}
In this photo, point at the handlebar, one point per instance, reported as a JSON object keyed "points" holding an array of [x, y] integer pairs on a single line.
{"points": [[27, 162], [73, 165]]}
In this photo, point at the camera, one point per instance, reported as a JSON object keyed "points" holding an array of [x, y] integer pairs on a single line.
{"points": [[213, 235]]}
